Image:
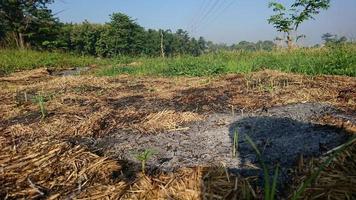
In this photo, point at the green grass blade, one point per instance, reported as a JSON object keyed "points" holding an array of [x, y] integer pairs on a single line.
{"points": [[308, 182], [274, 183], [267, 184], [236, 142], [253, 145]]}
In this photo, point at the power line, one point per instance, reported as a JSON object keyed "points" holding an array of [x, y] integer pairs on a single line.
{"points": [[217, 15], [218, 8], [206, 4], [206, 14]]}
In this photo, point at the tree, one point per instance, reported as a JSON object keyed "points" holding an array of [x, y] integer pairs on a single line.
{"points": [[123, 36], [202, 44], [266, 45], [152, 44], [29, 22], [331, 39], [2, 30], [288, 20], [126, 35], [181, 42]]}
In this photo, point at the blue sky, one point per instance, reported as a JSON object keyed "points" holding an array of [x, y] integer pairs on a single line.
{"points": [[221, 21]]}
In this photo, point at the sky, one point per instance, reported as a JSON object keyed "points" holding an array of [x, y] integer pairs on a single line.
{"points": [[220, 21]]}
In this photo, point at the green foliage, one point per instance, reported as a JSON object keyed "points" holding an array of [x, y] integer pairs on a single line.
{"points": [[285, 20], [333, 39], [309, 8], [269, 188], [143, 157], [123, 36], [334, 60], [250, 46], [266, 45], [29, 23], [281, 21], [40, 100], [15, 60], [190, 66], [301, 10]]}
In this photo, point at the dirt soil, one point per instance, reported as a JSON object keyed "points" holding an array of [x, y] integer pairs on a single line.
{"points": [[188, 122]]}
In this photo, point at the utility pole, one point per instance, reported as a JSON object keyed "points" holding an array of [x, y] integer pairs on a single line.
{"points": [[162, 49]]}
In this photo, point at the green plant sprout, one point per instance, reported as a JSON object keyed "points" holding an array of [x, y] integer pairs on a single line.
{"points": [[236, 143], [143, 157], [40, 99]]}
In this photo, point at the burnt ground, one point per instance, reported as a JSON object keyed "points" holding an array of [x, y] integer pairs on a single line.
{"points": [[283, 134], [95, 126]]}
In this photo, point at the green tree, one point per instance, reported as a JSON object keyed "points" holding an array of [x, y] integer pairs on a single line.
{"points": [[329, 38], [332, 39], [169, 41], [126, 36], [122, 37], [85, 36], [181, 42], [2, 31], [202, 44], [194, 48], [288, 20], [152, 42], [28, 22]]}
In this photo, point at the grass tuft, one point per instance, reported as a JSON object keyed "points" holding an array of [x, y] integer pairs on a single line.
{"points": [[40, 99]]}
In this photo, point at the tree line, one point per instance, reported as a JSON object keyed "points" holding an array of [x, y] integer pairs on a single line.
{"points": [[123, 36], [266, 45], [31, 24]]}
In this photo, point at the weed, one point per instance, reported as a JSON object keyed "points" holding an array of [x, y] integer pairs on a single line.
{"points": [[40, 99], [143, 157], [236, 143], [314, 175], [269, 188]]}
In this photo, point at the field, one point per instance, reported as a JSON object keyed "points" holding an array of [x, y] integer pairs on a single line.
{"points": [[334, 60], [70, 133]]}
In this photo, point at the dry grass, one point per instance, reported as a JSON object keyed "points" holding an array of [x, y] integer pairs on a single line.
{"points": [[54, 169], [37, 161], [58, 170], [168, 120], [336, 181], [337, 122]]}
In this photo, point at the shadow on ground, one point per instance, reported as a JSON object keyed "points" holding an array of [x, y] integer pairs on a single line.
{"points": [[282, 141]]}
